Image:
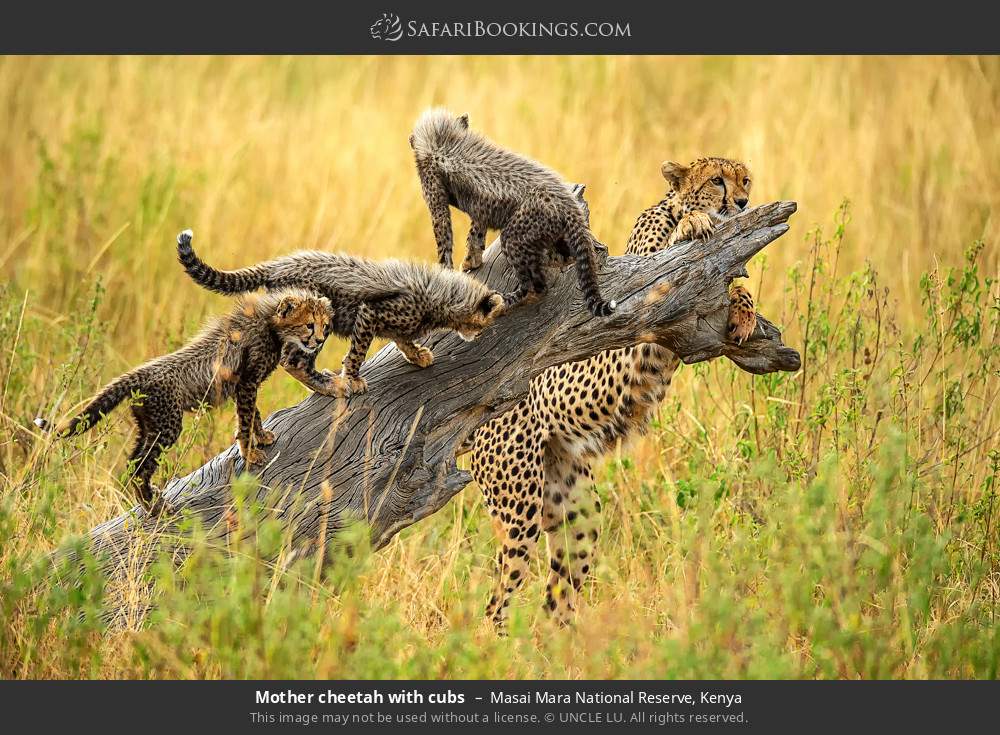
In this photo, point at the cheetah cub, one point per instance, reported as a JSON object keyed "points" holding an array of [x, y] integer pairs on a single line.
{"points": [[531, 205], [394, 299], [229, 358]]}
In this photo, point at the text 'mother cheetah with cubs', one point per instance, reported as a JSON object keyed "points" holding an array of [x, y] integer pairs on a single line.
{"points": [[533, 463]]}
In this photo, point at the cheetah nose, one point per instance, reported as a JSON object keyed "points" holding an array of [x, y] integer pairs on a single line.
{"points": [[742, 203]]}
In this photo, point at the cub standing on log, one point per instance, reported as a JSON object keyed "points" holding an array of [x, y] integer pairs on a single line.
{"points": [[229, 358], [395, 299], [530, 204]]}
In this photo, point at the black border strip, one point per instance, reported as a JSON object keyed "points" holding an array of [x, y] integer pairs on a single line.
{"points": [[548, 706], [336, 27]]}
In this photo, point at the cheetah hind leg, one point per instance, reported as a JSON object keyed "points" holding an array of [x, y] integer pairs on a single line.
{"points": [[524, 243], [531, 273], [140, 471], [520, 295], [742, 315], [154, 439], [572, 525], [474, 247]]}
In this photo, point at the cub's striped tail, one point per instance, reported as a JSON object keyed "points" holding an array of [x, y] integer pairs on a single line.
{"points": [[100, 405], [582, 242], [224, 282]]}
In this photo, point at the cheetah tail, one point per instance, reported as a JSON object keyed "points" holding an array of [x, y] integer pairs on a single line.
{"points": [[224, 282], [582, 242], [100, 405]]}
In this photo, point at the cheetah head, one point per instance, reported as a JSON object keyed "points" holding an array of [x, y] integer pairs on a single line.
{"points": [[487, 309], [303, 320], [716, 186]]}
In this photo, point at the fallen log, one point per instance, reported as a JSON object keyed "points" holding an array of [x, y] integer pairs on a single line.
{"points": [[388, 457]]}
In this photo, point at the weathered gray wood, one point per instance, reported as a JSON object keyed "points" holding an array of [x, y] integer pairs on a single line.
{"points": [[388, 456]]}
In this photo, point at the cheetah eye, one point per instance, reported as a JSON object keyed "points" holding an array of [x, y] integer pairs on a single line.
{"points": [[311, 327], [717, 181], [746, 181]]}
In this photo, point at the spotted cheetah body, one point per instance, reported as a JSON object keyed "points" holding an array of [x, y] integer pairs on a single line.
{"points": [[533, 464]]}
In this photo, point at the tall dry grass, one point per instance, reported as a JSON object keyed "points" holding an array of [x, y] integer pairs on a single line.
{"points": [[106, 159]]}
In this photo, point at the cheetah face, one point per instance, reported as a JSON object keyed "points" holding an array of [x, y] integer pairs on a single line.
{"points": [[717, 186], [303, 321], [487, 310]]}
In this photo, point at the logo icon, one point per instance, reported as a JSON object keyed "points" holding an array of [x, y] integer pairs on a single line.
{"points": [[387, 28]]}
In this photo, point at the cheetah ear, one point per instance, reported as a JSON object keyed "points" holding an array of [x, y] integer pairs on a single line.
{"points": [[412, 138], [286, 306], [326, 304], [580, 188], [673, 172], [463, 120]]}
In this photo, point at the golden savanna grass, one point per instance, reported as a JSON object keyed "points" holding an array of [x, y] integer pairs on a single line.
{"points": [[106, 159]]}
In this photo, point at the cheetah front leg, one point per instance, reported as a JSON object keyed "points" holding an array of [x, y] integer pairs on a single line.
{"points": [[742, 314], [361, 339], [262, 436], [302, 366], [436, 196], [571, 515], [693, 226], [474, 246], [415, 354]]}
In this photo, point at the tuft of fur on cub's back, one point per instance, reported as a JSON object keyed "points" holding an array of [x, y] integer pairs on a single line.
{"points": [[532, 206], [472, 160]]}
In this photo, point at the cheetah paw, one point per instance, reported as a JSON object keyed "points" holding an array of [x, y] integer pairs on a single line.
{"points": [[472, 262], [693, 226], [742, 316], [153, 503], [332, 385], [342, 386], [421, 357], [357, 385], [253, 456], [264, 437]]}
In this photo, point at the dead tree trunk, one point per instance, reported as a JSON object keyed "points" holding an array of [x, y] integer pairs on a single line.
{"points": [[387, 457]]}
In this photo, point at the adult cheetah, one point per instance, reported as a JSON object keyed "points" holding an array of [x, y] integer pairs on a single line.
{"points": [[533, 463]]}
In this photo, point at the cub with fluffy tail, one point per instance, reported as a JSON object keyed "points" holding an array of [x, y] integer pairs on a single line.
{"points": [[230, 358], [393, 299], [530, 204]]}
